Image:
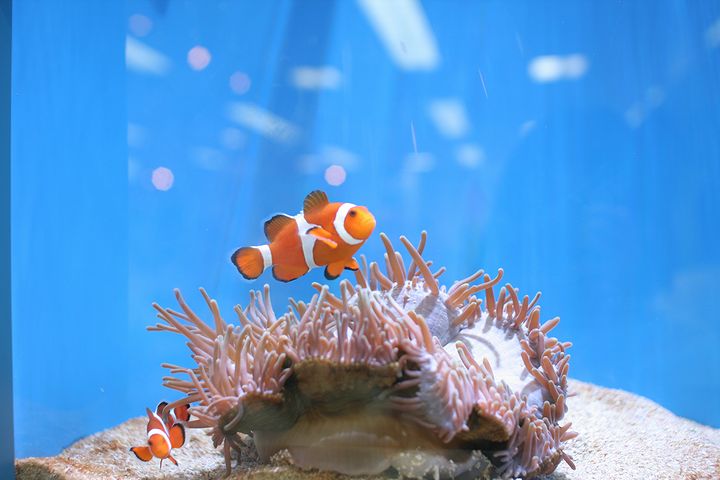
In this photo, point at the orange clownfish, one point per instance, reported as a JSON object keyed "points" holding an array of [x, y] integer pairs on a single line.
{"points": [[322, 234], [163, 436]]}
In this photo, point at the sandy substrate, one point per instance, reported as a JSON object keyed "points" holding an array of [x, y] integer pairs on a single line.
{"points": [[622, 436]]}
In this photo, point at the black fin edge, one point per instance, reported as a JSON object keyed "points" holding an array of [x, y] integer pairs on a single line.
{"points": [[232, 259], [330, 277]]}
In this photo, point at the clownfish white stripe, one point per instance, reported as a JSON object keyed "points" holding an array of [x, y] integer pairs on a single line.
{"points": [[307, 242], [266, 255], [157, 431], [339, 224], [158, 418]]}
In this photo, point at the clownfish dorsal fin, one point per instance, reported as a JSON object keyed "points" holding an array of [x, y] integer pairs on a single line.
{"points": [[275, 224], [315, 201], [161, 406]]}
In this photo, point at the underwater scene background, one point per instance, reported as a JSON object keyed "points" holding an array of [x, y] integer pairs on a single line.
{"points": [[574, 144]]}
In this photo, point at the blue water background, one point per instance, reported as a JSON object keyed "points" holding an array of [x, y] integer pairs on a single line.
{"points": [[599, 186]]}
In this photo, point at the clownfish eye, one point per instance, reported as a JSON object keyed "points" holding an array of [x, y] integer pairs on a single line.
{"points": [[353, 213]]}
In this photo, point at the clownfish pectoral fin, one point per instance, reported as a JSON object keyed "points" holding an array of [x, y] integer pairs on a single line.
{"points": [[249, 262], [333, 270], [142, 453], [276, 224], [284, 273], [352, 265], [315, 201], [170, 457], [323, 235], [177, 436]]}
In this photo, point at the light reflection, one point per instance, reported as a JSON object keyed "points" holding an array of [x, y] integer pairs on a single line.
{"points": [[198, 57], [141, 58], [712, 35], [551, 68], [638, 112], [209, 158], [527, 127], [135, 135], [163, 178], [133, 169], [316, 78], [404, 30], [470, 155], [449, 117], [140, 25], [419, 163], [335, 175], [329, 155], [232, 138], [240, 83], [263, 122]]}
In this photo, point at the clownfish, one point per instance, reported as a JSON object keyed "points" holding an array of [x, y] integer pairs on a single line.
{"points": [[163, 435], [322, 234]]}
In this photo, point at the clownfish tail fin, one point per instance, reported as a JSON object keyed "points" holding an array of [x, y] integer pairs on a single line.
{"points": [[252, 261]]}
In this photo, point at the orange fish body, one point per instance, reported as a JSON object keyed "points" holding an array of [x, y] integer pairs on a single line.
{"points": [[323, 234], [162, 435]]}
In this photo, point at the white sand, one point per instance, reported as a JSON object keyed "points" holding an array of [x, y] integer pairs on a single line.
{"points": [[622, 436]]}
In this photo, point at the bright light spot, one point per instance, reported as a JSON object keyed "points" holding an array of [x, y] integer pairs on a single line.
{"points": [[139, 25], [198, 57], [310, 78], [263, 122], [141, 58], [527, 127], [551, 68], [240, 83], [163, 178], [449, 117], [419, 162], [232, 138], [712, 35], [405, 32], [335, 175], [546, 69], [470, 156]]}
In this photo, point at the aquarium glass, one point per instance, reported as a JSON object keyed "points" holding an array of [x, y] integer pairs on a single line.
{"points": [[574, 144]]}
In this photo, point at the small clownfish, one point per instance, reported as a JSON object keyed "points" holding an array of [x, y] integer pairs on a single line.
{"points": [[322, 234], [162, 436]]}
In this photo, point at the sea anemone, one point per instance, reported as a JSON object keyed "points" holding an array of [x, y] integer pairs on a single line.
{"points": [[395, 372]]}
